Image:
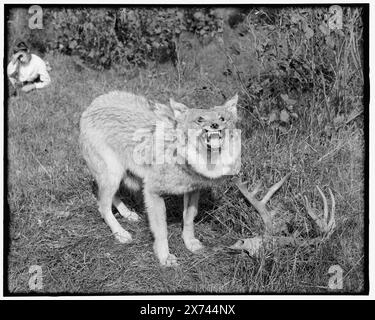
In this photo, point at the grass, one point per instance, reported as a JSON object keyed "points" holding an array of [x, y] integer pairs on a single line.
{"points": [[54, 221]]}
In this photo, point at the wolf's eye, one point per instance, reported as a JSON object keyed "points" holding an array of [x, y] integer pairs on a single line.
{"points": [[200, 119], [221, 119]]}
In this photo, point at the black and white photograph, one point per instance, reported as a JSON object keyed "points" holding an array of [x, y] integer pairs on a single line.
{"points": [[186, 149]]}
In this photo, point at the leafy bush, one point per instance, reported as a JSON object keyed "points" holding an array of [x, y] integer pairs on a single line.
{"points": [[303, 63], [103, 37]]}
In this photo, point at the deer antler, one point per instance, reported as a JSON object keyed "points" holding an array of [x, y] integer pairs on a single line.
{"points": [[325, 221], [261, 206]]}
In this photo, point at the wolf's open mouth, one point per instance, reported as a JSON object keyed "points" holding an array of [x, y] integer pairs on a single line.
{"points": [[212, 139]]}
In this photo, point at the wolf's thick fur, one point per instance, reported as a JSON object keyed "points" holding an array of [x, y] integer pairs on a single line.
{"points": [[109, 128]]}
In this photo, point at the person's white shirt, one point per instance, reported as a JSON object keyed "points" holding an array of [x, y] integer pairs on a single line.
{"points": [[36, 67]]}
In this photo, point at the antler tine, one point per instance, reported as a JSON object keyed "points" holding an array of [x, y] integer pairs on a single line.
{"points": [[242, 186], [256, 189], [325, 224], [239, 183], [250, 196], [310, 211], [325, 204], [332, 221], [274, 188], [258, 205]]}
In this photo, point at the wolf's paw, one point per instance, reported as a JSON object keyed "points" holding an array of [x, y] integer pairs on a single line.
{"points": [[170, 261], [193, 245], [123, 236]]}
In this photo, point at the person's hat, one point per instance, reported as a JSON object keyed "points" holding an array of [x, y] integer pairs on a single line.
{"points": [[20, 46]]}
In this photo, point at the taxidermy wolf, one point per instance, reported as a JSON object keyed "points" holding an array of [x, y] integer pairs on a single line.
{"points": [[160, 149]]}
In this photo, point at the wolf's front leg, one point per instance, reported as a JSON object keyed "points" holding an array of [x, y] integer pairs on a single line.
{"points": [[190, 211], [158, 223]]}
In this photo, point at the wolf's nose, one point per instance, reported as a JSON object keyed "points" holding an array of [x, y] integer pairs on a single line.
{"points": [[214, 126]]}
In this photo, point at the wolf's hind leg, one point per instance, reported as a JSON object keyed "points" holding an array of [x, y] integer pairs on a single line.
{"points": [[107, 191], [158, 224], [107, 171], [124, 210], [190, 211]]}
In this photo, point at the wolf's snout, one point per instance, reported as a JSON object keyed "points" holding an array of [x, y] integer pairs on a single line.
{"points": [[214, 126]]}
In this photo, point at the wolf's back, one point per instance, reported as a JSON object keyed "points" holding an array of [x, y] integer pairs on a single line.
{"points": [[119, 111], [114, 117]]}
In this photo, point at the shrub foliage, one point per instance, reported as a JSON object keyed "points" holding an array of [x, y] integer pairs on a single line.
{"points": [[130, 35]]}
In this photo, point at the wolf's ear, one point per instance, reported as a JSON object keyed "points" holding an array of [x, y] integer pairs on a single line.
{"points": [[178, 108], [231, 105]]}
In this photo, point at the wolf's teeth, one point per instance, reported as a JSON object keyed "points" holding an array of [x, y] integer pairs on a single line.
{"points": [[214, 132]]}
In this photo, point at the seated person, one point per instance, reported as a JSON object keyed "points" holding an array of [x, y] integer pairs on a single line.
{"points": [[26, 70]]}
